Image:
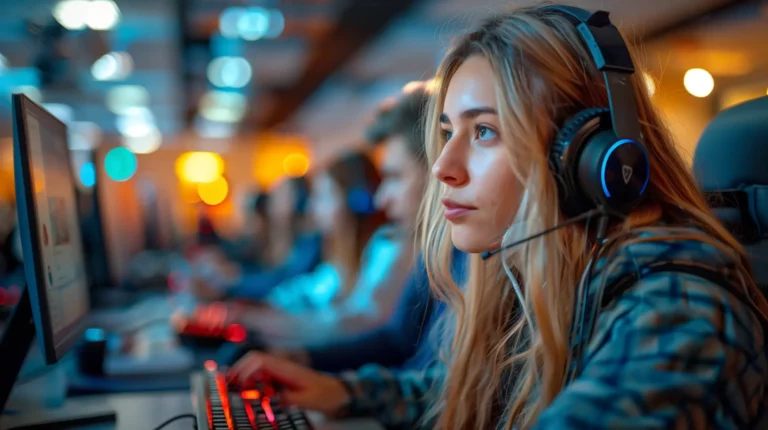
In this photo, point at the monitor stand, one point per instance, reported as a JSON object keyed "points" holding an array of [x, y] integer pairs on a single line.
{"points": [[14, 346]]}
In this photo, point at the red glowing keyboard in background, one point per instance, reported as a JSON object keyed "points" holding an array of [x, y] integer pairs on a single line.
{"points": [[221, 406], [209, 326]]}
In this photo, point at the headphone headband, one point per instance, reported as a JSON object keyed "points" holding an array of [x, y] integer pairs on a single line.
{"points": [[598, 155], [611, 56]]}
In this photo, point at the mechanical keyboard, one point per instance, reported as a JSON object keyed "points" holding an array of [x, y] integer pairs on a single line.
{"points": [[221, 406]]}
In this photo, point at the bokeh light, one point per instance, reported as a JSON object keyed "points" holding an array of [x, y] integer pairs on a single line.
{"points": [[114, 66], [136, 122], [3, 63], [229, 72], [146, 144], [102, 15], [296, 164], [96, 14], [199, 167], [698, 82], [213, 193], [276, 24], [120, 164], [220, 106], [253, 24], [271, 152], [88, 174], [188, 192], [71, 14], [228, 22], [122, 98]]}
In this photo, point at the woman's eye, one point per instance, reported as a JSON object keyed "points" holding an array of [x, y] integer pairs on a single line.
{"points": [[485, 133], [447, 134]]}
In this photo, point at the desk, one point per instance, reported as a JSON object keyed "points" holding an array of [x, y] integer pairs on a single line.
{"points": [[147, 411]]}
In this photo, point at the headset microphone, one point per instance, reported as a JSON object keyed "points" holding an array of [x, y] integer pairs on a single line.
{"points": [[585, 216]]}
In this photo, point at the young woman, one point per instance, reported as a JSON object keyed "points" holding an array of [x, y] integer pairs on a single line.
{"points": [[670, 346], [290, 248], [342, 208]]}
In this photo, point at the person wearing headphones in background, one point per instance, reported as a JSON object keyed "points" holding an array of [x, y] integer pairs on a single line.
{"points": [[342, 208], [291, 249], [401, 340], [602, 292], [252, 244]]}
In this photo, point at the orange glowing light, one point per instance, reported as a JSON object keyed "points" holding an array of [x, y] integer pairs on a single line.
{"points": [[296, 164], [211, 366], [213, 193], [199, 167], [277, 156], [251, 395]]}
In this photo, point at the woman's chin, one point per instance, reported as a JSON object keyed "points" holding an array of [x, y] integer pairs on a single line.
{"points": [[466, 241]]}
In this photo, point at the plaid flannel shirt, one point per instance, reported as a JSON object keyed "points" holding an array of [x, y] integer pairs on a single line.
{"points": [[674, 350]]}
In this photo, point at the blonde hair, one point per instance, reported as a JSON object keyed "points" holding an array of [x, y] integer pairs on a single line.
{"points": [[505, 365]]}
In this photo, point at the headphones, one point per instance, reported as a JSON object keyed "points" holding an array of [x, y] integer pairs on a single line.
{"points": [[360, 199], [598, 156]]}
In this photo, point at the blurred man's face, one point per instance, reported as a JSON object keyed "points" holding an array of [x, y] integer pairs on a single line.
{"points": [[403, 183]]}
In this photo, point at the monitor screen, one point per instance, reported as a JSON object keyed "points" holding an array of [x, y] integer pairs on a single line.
{"points": [[60, 300]]}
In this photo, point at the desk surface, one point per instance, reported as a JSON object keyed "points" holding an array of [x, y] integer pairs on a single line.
{"points": [[145, 411]]}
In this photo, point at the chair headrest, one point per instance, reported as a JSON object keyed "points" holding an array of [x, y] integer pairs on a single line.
{"points": [[731, 167], [733, 150]]}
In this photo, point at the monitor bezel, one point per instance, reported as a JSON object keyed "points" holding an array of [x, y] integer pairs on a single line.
{"points": [[25, 198]]}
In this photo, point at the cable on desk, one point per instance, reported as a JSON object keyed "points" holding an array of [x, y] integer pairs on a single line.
{"points": [[176, 418]]}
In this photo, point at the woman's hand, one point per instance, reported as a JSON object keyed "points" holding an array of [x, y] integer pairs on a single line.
{"points": [[302, 387]]}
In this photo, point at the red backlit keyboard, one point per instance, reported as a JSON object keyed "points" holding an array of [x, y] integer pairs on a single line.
{"points": [[220, 406]]}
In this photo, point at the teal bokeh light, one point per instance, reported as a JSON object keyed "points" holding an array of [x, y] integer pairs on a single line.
{"points": [[88, 175], [120, 164]]}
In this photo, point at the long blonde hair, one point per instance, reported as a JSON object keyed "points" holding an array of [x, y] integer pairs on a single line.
{"points": [[505, 365]]}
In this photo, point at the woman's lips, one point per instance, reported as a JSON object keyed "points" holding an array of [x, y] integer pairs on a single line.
{"points": [[455, 210]]}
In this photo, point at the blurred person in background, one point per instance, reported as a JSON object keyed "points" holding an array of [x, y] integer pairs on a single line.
{"points": [[284, 245], [252, 244], [401, 340], [343, 210], [394, 303]]}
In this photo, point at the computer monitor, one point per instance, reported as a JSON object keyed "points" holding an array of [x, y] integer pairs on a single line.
{"points": [[51, 239], [55, 297]]}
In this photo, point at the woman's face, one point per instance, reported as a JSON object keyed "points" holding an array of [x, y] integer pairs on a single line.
{"points": [[282, 202], [327, 204], [480, 193]]}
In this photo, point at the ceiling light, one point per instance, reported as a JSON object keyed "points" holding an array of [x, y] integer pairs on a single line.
{"points": [[102, 15], [229, 72], [698, 82], [136, 122], [124, 97], [276, 24], [228, 22], [253, 24], [114, 66], [146, 144], [222, 106], [71, 14]]}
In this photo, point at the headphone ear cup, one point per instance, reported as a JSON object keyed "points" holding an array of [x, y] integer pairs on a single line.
{"points": [[360, 201], [565, 153], [596, 168]]}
